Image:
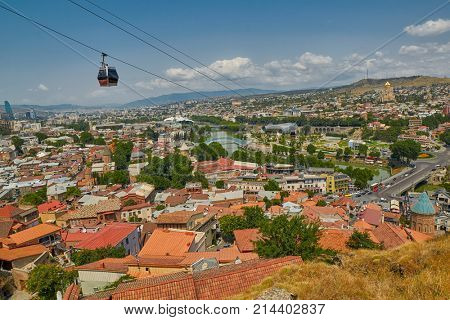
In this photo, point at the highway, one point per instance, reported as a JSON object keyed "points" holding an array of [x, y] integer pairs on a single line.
{"points": [[397, 184]]}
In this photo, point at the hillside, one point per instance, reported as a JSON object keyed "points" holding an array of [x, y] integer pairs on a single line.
{"points": [[413, 271], [366, 85]]}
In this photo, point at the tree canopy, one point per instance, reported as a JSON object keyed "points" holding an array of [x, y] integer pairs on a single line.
{"points": [[46, 280], [272, 185], [284, 236], [405, 150], [87, 256], [361, 240]]}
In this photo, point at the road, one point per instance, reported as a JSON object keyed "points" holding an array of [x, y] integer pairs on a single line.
{"points": [[400, 183]]}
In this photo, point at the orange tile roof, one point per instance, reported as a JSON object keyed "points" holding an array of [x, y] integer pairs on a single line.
{"points": [[109, 264], [9, 211], [295, 196], [53, 205], [34, 233], [343, 202], [275, 210], [260, 204], [315, 212], [23, 252], [392, 236], [72, 292], [335, 239], [164, 242], [246, 238], [177, 217], [176, 200], [363, 226], [216, 283], [223, 256]]}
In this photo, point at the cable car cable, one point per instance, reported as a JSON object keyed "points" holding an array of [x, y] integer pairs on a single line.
{"points": [[154, 47], [80, 54], [100, 51], [169, 46]]}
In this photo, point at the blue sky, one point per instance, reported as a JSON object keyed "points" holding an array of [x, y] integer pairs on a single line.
{"points": [[266, 44]]}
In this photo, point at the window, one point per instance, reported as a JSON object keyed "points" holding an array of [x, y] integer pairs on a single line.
{"points": [[126, 241]]}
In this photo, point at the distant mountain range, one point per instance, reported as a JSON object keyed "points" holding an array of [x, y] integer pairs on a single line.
{"points": [[358, 87], [178, 97], [160, 100]]}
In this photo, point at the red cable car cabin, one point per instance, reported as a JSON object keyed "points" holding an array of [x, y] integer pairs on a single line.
{"points": [[107, 76]]}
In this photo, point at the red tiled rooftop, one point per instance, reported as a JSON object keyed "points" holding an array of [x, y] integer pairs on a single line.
{"points": [[53, 205], [246, 238], [9, 211], [110, 235], [164, 242], [335, 239], [216, 283]]}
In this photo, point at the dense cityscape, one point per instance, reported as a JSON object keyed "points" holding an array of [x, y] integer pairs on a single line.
{"points": [[215, 193], [218, 159]]}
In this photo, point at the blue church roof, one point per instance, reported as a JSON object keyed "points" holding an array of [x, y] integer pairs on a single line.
{"points": [[423, 205]]}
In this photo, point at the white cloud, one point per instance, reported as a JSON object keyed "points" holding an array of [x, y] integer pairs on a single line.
{"points": [[412, 50], [98, 93], [42, 87], [429, 28], [317, 59], [153, 84], [442, 48]]}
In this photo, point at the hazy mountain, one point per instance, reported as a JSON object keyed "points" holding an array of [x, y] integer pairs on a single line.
{"points": [[163, 99], [178, 97]]}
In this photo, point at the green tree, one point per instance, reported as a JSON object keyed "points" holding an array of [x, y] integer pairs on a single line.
{"points": [[230, 223], [375, 153], [362, 149], [445, 137], [35, 198], [46, 280], [200, 177], [87, 256], [272, 185], [284, 237], [361, 240], [320, 155], [73, 192], [17, 143], [220, 184], [86, 137], [311, 149], [113, 177], [339, 153], [405, 150], [348, 152], [253, 218], [321, 203], [41, 136]]}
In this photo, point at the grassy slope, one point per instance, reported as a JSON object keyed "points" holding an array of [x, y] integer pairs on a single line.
{"points": [[413, 271]]}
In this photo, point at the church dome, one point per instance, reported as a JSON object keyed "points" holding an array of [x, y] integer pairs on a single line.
{"points": [[423, 205]]}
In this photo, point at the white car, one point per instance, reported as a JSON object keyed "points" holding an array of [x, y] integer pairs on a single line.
{"points": [[406, 174]]}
